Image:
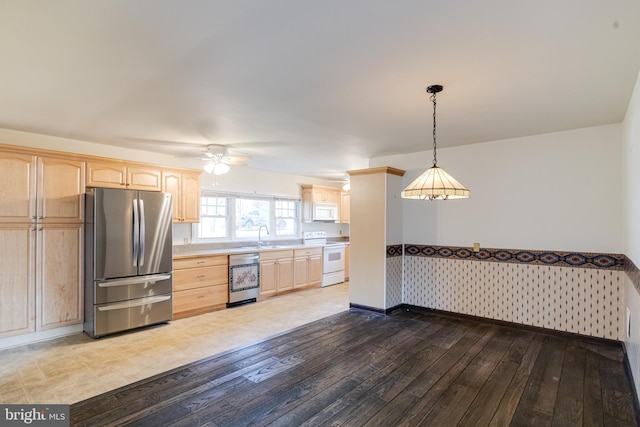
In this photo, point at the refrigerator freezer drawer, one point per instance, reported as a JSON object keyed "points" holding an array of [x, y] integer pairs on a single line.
{"points": [[108, 291], [123, 315]]}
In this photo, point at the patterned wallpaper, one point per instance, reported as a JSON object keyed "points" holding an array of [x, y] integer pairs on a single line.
{"points": [[574, 292]]}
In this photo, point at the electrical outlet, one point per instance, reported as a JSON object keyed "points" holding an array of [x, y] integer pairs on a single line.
{"points": [[476, 247]]}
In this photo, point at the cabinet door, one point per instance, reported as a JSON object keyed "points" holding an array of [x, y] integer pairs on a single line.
{"points": [[345, 207], [60, 191], [143, 178], [17, 285], [300, 267], [106, 174], [59, 275], [171, 183], [285, 274], [191, 197], [315, 270], [18, 189], [346, 262], [268, 277]]}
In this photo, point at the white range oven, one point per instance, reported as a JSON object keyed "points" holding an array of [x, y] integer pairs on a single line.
{"points": [[333, 262]]}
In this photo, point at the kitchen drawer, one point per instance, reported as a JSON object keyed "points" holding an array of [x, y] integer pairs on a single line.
{"points": [[192, 278], [307, 252], [273, 255], [200, 261], [195, 299]]}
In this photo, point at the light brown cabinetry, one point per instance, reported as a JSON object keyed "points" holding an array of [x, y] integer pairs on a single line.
{"points": [[345, 209], [41, 223], [59, 275], [17, 281], [117, 174], [317, 194], [346, 262], [307, 269], [185, 188], [276, 272], [200, 284]]}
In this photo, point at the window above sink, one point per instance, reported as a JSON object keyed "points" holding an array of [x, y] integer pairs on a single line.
{"points": [[233, 217]]}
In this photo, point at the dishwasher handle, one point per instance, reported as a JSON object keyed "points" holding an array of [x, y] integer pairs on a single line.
{"points": [[242, 259]]}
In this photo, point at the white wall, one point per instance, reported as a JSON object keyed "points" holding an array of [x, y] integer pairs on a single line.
{"points": [[26, 139], [631, 155], [558, 191]]}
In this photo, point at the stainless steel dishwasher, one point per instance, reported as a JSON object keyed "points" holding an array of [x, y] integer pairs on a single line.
{"points": [[244, 278]]}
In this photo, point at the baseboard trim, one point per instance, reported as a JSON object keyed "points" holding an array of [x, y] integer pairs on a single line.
{"points": [[33, 337], [538, 329]]}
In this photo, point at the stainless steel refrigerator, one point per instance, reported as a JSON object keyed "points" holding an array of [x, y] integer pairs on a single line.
{"points": [[128, 260]]}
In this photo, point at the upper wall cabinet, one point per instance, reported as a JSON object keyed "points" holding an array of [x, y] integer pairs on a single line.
{"points": [[118, 174], [185, 188], [318, 194], [18, 189], [46, 189], [345, 207], [60, 190]]}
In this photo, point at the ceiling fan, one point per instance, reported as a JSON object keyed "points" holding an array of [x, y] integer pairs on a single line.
{"points": [[218, 161]]}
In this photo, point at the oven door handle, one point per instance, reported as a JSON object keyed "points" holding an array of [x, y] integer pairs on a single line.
{"points": [[146, 280], [134, 303]]}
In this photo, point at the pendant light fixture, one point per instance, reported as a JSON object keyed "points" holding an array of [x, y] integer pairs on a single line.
{"points": [[435, 183]]}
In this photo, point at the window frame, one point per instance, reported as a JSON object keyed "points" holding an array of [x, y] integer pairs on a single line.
{"points": [[233, 216]]}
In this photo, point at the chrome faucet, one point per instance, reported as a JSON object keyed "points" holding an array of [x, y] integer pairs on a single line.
{"points": [[260, 236]]}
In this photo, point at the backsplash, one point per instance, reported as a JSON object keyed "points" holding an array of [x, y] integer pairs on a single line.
{"points": [[567, 291]]}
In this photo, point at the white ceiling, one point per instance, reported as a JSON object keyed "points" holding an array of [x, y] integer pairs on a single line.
{"points": [[313, 87]]}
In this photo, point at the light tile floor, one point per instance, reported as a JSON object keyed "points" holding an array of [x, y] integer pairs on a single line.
{"points": [[69, 369]]}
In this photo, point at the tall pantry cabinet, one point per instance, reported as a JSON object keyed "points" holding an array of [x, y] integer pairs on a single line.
{"points": [[41, 240]]}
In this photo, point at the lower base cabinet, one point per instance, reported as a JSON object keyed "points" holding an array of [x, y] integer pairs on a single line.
{"points": [[276, 272], [200, 284], [308, 267], [42, 277]]}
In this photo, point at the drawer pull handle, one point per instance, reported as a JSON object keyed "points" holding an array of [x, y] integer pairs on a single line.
{"points": [[201, 276]]}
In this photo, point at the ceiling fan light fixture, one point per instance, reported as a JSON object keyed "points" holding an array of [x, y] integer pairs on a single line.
{"points": [[435, 183], [208, 167], [220, 168]]}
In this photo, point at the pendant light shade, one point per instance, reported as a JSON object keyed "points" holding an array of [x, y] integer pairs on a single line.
{"points": [[435, 183]]}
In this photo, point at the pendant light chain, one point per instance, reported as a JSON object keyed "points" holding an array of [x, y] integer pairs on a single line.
{"points": [[435, 183], [433, 99]]}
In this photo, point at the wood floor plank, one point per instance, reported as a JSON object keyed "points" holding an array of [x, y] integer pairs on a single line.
{"points": [[511, 399], [539, 397], [569, 408], [422, 394], [361, 368], [483, 408]]}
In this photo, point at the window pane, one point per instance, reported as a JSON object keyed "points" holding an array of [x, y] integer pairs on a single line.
{"points": [[214, 217], [213, 227], [286, 217], [251, 214]]}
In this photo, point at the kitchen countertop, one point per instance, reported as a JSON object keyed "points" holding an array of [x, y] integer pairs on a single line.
{"points": [[188, 251]]}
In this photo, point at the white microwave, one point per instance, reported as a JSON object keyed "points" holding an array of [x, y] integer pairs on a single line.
{"points": [[325, 212]]}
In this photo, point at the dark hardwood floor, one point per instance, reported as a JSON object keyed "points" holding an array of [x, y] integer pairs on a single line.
{"points": [[359, 368]]}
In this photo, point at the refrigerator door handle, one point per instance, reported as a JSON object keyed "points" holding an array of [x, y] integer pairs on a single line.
{"points": [[134, 303], [142, 233], [146, 280], [136, 232]]}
